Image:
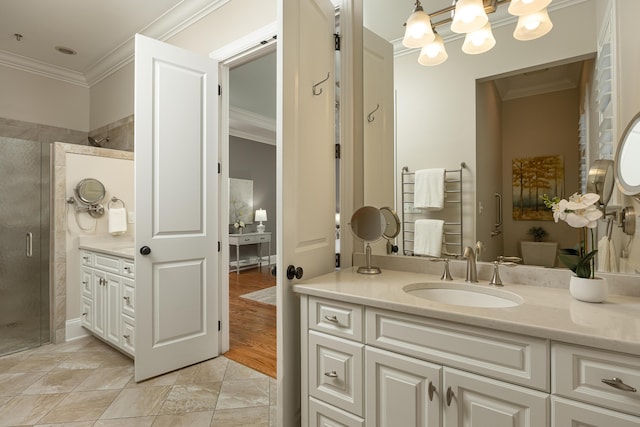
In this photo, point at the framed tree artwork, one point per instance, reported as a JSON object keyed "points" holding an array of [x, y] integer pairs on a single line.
{"points": [[531, 178]]}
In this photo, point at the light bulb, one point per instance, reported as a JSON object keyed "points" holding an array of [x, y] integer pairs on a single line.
{"points": [[434, 53], [418, 32], [533, 26], [468, 16], [479, 41]]}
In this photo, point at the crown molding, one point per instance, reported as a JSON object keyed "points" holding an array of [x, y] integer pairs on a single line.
{"points": [[249, 125], [22, 63], [166, 26]]}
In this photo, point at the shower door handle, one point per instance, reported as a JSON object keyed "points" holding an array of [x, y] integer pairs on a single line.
{"points": [[29, 245]]}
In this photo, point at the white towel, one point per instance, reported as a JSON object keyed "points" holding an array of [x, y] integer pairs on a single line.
{"points": [[427, 237], [428, 191], [117, 221], [607, 260]]}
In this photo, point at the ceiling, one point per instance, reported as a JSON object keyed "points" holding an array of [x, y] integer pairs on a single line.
{"points": [[101, 32]]}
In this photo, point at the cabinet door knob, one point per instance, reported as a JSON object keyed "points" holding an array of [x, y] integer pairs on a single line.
{"points": [[619, 384], [145, 250], [85, 314], [331, 374], [127, 299], [128, 269], [431, 389], [126, 337], [449, 396], [332, 319]]}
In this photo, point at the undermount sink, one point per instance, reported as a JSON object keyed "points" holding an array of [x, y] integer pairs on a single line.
{"points": [[463, 294]]}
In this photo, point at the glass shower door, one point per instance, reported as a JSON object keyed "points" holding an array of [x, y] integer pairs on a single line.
{"points": [[24, 244]]}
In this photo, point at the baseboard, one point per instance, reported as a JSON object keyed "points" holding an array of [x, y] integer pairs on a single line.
{"points": [[74, 330]]}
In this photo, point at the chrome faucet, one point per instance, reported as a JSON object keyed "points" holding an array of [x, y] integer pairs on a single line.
{"points": [[472, 271]]}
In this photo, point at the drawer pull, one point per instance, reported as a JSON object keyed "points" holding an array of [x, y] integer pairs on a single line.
{"points": [[86, 258], [128, 269], [85, 314], [127, 299], [432, 389], [126, 337], [332, 319], [619, 384], [331, 374], [449, 396]]}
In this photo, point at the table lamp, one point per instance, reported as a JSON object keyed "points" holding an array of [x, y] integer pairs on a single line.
{"points": [[261, 215]]}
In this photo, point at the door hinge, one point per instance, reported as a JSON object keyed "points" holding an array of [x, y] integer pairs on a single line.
{"points": [[337, 151], [219, 90], [219, 246], [219, 168], [337, 38], [219, 325]]}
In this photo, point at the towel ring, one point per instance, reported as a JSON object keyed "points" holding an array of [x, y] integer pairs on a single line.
{"points": [[115, 200]]}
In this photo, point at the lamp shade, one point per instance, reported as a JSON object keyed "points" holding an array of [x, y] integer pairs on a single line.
{"points": [[434, 53], [479, 41], [526, 7], [418, 32], [261, 215], [469, 16], [533, 26]]}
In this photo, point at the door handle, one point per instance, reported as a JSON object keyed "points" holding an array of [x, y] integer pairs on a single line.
{"points": [[29, 245], [449, 396], [293, 271], [431, 389], [145, 250]]}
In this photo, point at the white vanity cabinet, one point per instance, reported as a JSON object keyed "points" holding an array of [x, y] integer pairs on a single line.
{"points": [[108, 298], [417, 371], [594, 387]]}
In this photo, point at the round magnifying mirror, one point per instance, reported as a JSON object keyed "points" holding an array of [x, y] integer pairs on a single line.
{"points": [[368, 224], [90, 191], [392, 223], [600, 180], [627, 155]]}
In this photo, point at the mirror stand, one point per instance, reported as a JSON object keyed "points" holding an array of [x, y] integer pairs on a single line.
{"points": [[368, 269]]}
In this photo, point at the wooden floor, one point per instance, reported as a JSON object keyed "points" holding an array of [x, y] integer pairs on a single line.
{"points": [[252, 325]]}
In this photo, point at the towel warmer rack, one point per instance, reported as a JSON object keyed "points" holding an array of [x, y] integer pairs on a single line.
{"points": [[451, 214]]}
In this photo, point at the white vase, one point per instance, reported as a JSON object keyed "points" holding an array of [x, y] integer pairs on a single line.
{"points": [[589, 290]]}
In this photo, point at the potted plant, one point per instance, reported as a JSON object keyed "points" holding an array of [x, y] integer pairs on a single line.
{"points": [[580, 212], [538, 252]]}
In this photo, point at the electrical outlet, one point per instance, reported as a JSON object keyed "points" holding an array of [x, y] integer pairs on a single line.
{"points": [[131, 217]]}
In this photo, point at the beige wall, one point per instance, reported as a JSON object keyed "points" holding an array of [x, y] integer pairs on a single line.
{"points": [[534, 126], [436, 109], [34, 98]]}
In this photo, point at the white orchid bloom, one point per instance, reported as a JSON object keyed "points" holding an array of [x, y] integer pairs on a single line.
{"points": [[559, 210], [577, 201]]}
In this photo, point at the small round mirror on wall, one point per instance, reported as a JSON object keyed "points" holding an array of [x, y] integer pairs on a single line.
{"points": [[90, 191], [626, 168], [600, 180]]}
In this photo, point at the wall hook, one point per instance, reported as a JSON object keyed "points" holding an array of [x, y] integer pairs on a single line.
{"points": [[315, 86], [370, 117]]}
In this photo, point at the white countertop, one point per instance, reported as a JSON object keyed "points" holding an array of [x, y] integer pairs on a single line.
{"points": [[121, 247], [546, 312]]}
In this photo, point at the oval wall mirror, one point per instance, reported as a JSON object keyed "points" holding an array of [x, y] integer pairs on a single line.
{"points": [[90, 191], [369, 224], [626, 168], [600, 180]]}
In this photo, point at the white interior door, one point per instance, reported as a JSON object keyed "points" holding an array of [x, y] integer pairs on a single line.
{"points": [[176, 208], [306, 182]]}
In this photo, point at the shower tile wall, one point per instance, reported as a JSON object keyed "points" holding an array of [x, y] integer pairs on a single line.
{"points": [[120, 133]]}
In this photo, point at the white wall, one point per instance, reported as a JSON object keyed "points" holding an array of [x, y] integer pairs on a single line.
{"points": [[112, 98], [436, 111], [33, 98], [117, 177]]}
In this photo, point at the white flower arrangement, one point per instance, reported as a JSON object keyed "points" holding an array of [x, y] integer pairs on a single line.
{"points": [[580, 211], [238, 224]]}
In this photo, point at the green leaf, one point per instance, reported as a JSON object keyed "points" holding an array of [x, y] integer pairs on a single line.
{"points": [[583, 269]]}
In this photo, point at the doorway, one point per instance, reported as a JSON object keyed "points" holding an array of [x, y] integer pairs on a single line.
{"points": [[248, 108]]}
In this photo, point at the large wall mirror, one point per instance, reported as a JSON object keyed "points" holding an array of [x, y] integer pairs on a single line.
{"points": [[521, 101]]}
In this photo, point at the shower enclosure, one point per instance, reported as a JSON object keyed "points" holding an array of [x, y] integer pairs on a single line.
{"points": [[25, 192]]}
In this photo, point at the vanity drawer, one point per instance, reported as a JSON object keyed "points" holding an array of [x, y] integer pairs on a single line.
{"points": [[577, 373], [86, 258], [106, 263], [509, 357], [128, 298], [336, 318], [323, 415], [335, 372], [128, 268]]}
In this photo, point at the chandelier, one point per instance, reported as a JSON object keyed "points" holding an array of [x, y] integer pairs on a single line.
{"points": [[470, 18]]}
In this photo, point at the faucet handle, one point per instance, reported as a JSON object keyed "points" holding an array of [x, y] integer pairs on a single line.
{"points": [[446, 274], [508, 261]]}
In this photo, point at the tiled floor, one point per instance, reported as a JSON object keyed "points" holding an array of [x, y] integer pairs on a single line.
{"points": [[87, 383]]}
